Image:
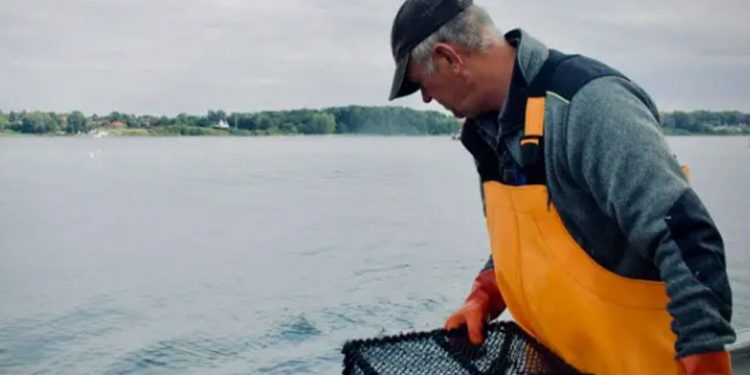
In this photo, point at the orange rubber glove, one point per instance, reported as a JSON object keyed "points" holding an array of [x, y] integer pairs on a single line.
{"points": [[716, 363], [483, 304]]}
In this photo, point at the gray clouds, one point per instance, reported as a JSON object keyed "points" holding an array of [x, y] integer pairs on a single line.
{"points": [[169, 56]]}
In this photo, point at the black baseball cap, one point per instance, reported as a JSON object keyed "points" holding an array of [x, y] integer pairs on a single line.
{"points": [[415, 21]]}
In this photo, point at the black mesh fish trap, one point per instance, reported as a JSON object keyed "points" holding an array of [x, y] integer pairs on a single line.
{"points": [[506, 350]]}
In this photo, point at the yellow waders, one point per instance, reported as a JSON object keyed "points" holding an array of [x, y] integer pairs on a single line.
{"points": [[596, 320]]}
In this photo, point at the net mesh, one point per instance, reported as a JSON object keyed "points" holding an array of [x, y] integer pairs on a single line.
{"points": [[506, 350]]}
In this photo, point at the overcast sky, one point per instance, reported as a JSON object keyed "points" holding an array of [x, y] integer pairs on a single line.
{"points": [[172, 56]]}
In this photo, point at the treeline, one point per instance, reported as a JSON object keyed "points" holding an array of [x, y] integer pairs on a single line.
{"points": [[336, 120], [706, 122]]}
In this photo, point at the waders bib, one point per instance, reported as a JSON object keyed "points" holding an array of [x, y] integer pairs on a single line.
{"points": [[596, 320]]}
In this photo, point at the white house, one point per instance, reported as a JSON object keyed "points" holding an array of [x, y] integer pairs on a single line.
{"points": [[222, 125]]}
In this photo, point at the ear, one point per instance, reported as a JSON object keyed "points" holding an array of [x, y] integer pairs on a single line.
{"points": [[444, 52]]}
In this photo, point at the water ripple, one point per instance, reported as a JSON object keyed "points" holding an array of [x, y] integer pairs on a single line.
{"points": [[31, 341], [382, 269], [293, 366], [297, 329], [199, 351]]}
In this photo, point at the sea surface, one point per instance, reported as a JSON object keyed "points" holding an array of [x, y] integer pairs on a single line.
{"points": [[258, 255]]}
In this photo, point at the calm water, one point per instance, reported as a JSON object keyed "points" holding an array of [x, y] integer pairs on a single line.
{"points": [[257, 255]]}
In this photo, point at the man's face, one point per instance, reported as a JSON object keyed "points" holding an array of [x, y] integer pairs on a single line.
{"points": [[447, 85]]}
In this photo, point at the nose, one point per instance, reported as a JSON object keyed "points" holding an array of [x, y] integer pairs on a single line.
{"points": [[425, 97]]}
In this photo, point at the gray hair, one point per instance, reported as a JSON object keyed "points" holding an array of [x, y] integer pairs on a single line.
{"points": [[472, 29]]}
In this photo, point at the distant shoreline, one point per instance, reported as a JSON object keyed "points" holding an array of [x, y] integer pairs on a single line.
{"points": [[355, 120], [227, 135]]}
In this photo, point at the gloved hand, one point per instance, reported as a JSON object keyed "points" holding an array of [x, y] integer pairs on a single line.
{"points": [[483, 304], [716, 363]]}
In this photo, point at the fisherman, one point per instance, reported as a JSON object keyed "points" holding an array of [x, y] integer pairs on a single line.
{"points": [[599, 247]]}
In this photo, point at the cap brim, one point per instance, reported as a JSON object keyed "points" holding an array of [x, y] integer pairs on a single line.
{"points": [[402, 86]]}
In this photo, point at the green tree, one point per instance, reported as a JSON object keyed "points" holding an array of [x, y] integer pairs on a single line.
{"points": [[319, 123], [681, 120], [77, 123], [117, 116], [14, 117], [4, 121], [38, 123], [263, 121], [214, 117], [183, 119], [244, 121]]}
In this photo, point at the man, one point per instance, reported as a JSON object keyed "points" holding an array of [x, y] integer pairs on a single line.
{"points": [[600, 249]]}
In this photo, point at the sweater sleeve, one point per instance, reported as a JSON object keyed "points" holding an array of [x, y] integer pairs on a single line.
{"points": [[615, 151]]}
